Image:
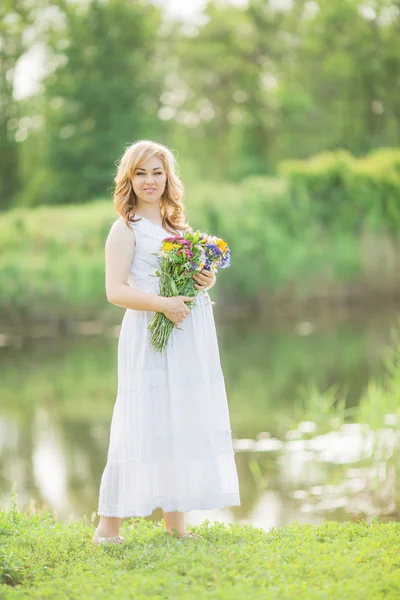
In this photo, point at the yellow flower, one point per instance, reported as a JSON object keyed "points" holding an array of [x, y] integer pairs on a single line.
{"points": [[167, 246], [223, 245]]}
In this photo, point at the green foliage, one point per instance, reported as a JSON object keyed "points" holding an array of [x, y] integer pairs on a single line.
{"points": [[289, 82], [380, 403], [234, 94], [52, 261], [313, 235], [348, 194], [42, 558], [97, 98], [15, 19]]}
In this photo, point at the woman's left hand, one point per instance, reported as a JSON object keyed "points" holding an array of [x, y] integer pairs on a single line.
{"points": [[205, 280]]}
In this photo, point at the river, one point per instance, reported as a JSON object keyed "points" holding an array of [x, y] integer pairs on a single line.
{"points": [[57, 397]]}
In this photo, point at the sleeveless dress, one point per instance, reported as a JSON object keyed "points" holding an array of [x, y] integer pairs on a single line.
{"points": [[170, 442]]}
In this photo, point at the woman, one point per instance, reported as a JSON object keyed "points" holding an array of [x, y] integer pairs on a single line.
{"points": [[170, 438]]}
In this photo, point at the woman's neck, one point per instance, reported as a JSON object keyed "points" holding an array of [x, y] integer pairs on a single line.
{"points": [[154, 216]]}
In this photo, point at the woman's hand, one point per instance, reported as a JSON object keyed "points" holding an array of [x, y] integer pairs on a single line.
{"points": [[205, 279], [175, 309]]}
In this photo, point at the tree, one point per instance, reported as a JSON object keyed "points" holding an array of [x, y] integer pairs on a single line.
{"points": [[100, 95], [15, 17]]}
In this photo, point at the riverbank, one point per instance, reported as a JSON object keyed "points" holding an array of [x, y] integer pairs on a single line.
{"points": [[283, 259], [42, 558]]}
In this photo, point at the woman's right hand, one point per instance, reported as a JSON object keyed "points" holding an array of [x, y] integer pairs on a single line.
{"points": [[175, 309]]}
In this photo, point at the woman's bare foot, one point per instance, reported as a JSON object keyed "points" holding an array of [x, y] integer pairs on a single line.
{"points": [[108, 527], [187, 534], [190, 534], [112, 539]]}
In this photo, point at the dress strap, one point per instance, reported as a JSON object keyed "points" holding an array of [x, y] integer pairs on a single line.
{"points": [[148, 229], [133, 225]]}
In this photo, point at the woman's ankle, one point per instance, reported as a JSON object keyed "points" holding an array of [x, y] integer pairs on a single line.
{"points": [[105, 532], [108, 526]]}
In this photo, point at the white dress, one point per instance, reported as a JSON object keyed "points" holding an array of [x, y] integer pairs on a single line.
{"points": [[170, 440]]}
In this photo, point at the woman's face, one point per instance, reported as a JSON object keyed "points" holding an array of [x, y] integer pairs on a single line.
{"points": [[149, 181]]}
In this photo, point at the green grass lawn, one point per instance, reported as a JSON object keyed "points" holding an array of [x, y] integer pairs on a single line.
{"points": [[42, 558]]}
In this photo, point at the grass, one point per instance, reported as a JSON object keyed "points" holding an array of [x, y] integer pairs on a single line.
{"points": [[42, 558]]}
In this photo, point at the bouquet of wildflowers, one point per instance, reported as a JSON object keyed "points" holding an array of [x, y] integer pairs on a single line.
{"points": [[180, 257]]}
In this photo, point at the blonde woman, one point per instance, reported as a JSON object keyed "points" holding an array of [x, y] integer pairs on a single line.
{"points": [[170, 440]]}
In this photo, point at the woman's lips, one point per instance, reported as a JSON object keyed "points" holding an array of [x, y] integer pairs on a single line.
{"points": [[149, 190]]}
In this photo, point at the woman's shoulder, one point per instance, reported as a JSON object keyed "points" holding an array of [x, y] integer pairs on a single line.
{"points": [[141, 228], [119, 228], [121, 222]]}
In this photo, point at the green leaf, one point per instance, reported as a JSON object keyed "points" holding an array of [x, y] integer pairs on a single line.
{"points": [[173, 285]]}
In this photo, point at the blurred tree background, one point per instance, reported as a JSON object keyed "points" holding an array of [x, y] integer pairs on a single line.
{"points": [[234, 92], [284, 116]]}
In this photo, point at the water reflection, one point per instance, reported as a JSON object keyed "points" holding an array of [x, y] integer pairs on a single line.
{"points": [[57, 397]]}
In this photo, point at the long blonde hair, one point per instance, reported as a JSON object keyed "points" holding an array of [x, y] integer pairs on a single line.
{"points": [[172, 208]]}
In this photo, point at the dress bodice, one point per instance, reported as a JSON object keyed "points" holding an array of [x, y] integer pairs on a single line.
{"points": [[149, 238]]}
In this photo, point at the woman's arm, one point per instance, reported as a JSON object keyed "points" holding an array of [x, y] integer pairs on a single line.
{"points": [[119, 252]]}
